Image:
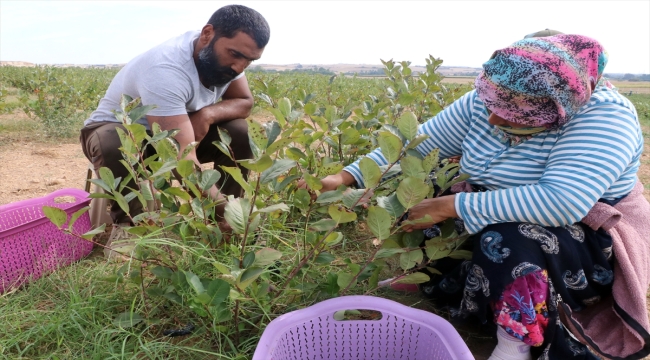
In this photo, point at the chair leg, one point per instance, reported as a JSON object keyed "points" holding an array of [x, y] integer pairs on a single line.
{"points": [[98, 207]]}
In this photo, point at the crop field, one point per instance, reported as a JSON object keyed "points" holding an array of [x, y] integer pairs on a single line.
{"points": [[287, 251]]}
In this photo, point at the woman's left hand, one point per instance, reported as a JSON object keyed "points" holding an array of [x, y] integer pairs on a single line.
{"points": [[439, 209]]}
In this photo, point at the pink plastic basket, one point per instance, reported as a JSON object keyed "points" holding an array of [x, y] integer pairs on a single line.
{"points": [[31, 246], [401, 333]]}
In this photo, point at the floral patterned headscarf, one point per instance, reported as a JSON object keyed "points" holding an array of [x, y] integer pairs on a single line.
{"points": [[541, 81]]}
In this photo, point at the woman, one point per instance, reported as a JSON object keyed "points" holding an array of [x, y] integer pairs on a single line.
{"points": [[555, 156]]}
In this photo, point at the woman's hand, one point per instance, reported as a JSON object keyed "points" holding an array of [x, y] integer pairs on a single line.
{"points": [[439, 209], [330, 182]]}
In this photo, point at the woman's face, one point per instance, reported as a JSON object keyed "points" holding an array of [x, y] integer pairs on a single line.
{"points": [[495, 119]]}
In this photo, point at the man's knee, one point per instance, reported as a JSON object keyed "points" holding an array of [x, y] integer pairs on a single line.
{"points": [[101, 146]]}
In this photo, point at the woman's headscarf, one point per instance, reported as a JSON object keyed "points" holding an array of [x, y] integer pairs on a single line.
{"points": [[541, 81]]}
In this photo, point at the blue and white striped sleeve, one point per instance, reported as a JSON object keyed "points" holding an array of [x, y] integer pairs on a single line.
{"points": [[597, 148], [446, 132]]}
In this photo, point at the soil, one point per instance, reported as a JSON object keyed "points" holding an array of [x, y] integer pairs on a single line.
{"points": [[32, 170]]}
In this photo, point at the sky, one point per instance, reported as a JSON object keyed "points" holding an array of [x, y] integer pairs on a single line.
{"points": [[461, 33]]}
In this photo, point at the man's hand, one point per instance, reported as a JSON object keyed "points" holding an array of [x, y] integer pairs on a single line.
{"points": [[439, 209], [201, 122]]}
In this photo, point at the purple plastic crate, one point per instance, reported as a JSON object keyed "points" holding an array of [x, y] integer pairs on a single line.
{"points": [[31, 246], [401, 333]]}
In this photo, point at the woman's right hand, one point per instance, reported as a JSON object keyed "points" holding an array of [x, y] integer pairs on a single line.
{"points": [[330, 182]]}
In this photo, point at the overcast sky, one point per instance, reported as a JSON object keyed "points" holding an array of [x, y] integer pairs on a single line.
{"points": [[462, 33]]}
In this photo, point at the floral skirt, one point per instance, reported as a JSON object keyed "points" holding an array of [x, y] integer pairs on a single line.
{"points": [[518, 274]]}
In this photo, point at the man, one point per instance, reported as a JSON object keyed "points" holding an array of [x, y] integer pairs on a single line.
{"points": [[185, 77]]}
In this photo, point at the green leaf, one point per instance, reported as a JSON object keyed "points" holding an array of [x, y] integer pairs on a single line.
{"points": [[385, 253], [197, 208], [408, 125], [323, 225], [313, 182], [333, 238], [436, 251], [223, 148], [392, 205], [274, 207], [279, 167], [221, 268], [56, 215], [180, 193], [344, 279], [104, 186], [76, 216], [284, 105], [257, 134], [107, 176], [273, 130], [248, 276], [126, 320], [139, 112], [145, 188], [165, 168], [248, 260], [162, 272], [379, 222], [278, 116], [194, 282], [188, 149], [219, 290], [408, 260], [330, 169], [236, 174], [419, 139], [185, 167], [413, 239], [370, 171], [411, 191], [415, 278], [329, 197], [90, 234], [391, 146], [341, 215], [266, 256], [257, 165], [324, 258], [412, 167], [350, 136], [280, 144], [295, 153], [236, 215], [430, 161], [352, 196], [301, 199], [224, 136], [461, 254], [207, 178]]}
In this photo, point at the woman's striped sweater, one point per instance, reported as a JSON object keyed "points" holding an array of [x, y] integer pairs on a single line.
{"points": [[552, 179]]}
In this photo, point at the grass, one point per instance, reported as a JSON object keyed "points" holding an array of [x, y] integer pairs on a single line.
{"points": [[71, 314]]}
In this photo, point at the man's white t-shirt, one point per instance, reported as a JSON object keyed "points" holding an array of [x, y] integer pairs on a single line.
{"points": [[164, 76]]}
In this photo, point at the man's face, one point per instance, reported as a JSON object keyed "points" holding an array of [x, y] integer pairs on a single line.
{"points": [[225, 58]]}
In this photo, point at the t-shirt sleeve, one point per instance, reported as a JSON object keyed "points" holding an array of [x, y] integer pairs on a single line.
{"points": [[167, 87], [446, 132], [594, 150]]}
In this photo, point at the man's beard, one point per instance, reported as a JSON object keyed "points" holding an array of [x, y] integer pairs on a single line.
{"points": [[210, 71]]}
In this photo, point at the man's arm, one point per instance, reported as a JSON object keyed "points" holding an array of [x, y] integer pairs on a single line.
{"points": [[236, 103]]}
